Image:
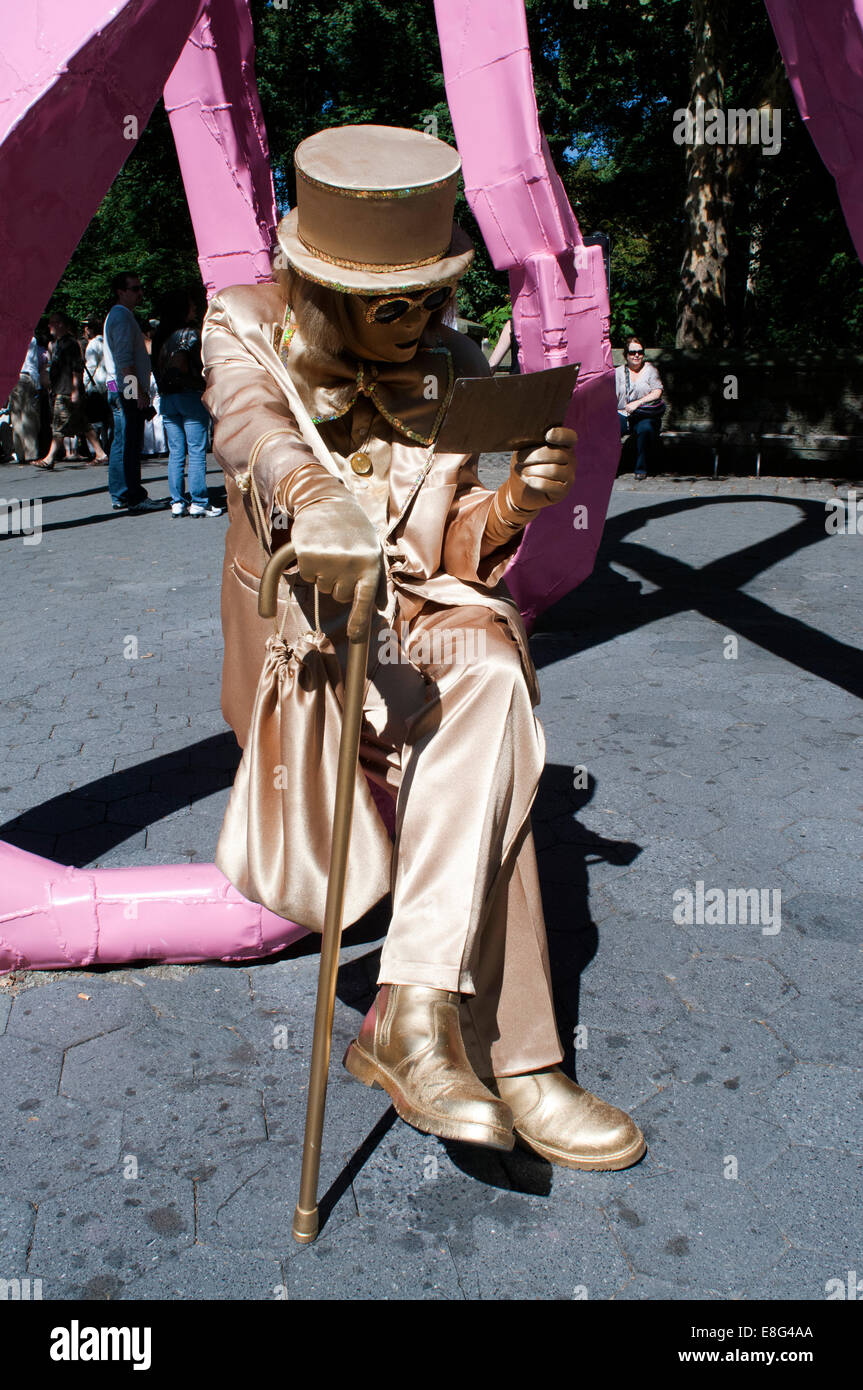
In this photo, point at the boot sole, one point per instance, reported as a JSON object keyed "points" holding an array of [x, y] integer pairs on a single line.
{"points": [[365, 1069], [612, 1163]]}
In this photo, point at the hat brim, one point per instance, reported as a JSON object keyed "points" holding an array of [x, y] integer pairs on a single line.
{"points": [[354, 281]]}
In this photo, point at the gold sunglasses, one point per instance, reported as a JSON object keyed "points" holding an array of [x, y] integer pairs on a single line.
{"points": [[388, 310]]}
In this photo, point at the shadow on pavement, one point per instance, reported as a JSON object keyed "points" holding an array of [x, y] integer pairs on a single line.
{"points": [[606, 605]]}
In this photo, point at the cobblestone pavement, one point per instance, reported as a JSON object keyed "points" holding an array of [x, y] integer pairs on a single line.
{"points": [[152, 1117]]}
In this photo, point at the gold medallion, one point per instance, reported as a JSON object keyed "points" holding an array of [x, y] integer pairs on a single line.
{"points": [[362, 464]]}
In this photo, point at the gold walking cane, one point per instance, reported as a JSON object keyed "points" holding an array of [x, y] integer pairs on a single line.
{"points": [[305, 1227]]}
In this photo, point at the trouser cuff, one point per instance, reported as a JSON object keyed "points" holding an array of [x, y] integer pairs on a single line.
{"points": [[412, 972]]}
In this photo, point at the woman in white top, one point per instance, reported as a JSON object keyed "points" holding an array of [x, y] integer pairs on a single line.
{"points": [[639, 402]]}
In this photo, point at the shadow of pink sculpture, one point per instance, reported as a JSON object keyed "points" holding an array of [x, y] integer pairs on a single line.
{"points": [[822, 48]]}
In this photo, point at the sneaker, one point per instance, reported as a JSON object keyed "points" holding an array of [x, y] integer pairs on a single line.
{"points": [[195, 510], [147, 504], [119, 506], [178, 509]]}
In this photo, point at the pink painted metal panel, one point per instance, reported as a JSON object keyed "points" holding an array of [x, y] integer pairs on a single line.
{"points": [[559, 293], [212, 100], [822, 47], [71, 75]]}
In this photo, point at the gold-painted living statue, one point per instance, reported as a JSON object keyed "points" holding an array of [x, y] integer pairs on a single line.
{"points": [[462, 1034]]}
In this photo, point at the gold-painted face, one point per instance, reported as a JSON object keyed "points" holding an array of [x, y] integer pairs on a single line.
{"points": [[395, 341], [383, 342]]}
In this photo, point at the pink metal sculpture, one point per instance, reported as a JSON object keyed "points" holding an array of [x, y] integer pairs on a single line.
{"points": [[215, 113], [86, 76], [558, 287], [78, 83], [54, 918], [822, 48]]}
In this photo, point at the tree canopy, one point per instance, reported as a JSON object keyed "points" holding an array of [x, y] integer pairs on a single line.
{"points": [[763, 231]]}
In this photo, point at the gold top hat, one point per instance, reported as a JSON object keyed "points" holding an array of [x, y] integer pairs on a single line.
{"points": [[374, 211]]}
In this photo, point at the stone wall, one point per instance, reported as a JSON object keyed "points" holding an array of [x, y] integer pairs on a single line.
{"points": [[743, 396]]}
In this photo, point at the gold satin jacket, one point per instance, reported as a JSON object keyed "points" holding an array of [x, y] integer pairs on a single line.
{"points": [[437, 508]]}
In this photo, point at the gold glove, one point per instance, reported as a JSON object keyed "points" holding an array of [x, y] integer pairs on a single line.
{"points": [[541, 476], [538, 478], [337, 546]]}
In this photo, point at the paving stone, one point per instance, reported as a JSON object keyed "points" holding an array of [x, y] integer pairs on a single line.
{"points": [[708, 1231], [824, 916], [816, 799], [750, 988], [89, 1242], [415, 1181], [643, 1289], [695, 763], [54, 1144], [831, 1035], [60, 1016], [629, 941], [364, 1261], [17, 1219], [621, 1068], [817, 833], [30, 1070], [154, 1057], [737, 1054], [805, 1191], [821, 1106], [692, 1126], [248, 1202], [188, 1133], [800, 1275], [210, 1275], [643, 1001]]}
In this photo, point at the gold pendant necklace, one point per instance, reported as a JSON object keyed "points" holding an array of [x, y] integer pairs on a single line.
{"points": [[360, 461]]}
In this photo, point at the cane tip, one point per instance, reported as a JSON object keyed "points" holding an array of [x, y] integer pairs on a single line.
{"points": [[305, 1227]]}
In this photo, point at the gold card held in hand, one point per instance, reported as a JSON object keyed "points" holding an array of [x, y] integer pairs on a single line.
{"points": [[489, 415]]}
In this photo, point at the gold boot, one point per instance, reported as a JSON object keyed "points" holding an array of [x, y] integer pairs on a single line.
{"points": [[410, 1044], [568, 1125]]}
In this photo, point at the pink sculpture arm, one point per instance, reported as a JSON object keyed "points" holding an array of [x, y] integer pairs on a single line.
{"points": [[559, 293], [212, 100], [822, 47], [77, 80]]}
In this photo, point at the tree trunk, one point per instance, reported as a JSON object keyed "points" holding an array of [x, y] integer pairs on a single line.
{"points": [[701, 307]]}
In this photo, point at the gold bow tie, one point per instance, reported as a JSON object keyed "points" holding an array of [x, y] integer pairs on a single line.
{"points": [[413, 396]]}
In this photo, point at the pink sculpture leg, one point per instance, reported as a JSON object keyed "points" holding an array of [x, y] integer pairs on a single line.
{"points": [[559, 293], [54, 918], [212, 100], [77, 85], [822, 47]]}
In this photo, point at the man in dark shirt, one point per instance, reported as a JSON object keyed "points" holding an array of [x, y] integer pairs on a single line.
{"points": [[66, 376]]}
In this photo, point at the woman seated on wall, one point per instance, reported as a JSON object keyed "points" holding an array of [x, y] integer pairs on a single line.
{"points": [[639, 402]]}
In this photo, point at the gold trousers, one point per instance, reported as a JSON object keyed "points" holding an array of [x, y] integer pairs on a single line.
{"points": [[449, 727]]}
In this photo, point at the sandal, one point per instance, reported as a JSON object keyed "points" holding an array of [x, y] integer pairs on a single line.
{"points": [[47, 466]]}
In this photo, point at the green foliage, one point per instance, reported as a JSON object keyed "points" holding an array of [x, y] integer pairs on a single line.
{"points": [[495, 320], [332, 62], [609, 78], [142, 224]]}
